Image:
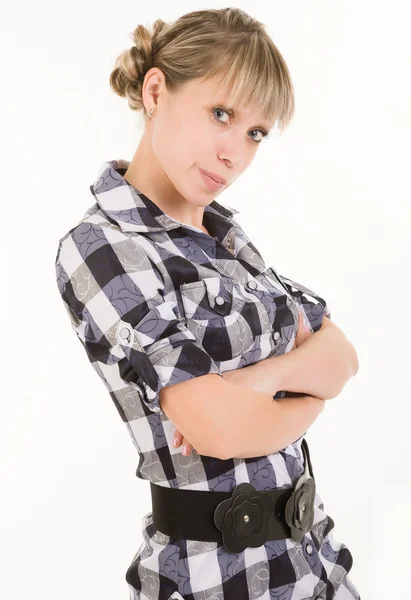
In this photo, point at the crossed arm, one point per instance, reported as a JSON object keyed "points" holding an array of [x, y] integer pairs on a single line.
{"points": [[320, 366]]}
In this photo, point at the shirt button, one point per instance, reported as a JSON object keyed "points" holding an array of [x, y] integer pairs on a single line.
{"points": [[124, 333], [309, 549], [276, 335], [219, 300], [252, 285]]}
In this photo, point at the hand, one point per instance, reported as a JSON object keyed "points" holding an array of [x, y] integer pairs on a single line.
{"points": [[182, 440], [304, 330]]}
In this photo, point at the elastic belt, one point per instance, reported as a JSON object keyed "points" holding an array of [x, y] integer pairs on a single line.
{"points": [[242, 518]]}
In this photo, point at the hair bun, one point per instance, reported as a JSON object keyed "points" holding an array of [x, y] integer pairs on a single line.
{"points": [[130, 67]]}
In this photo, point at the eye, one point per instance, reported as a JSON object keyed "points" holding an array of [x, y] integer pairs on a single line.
{"points": [[228, 111]]}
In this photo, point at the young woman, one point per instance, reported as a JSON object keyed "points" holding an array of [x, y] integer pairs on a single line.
{"points": [[196, 338]]}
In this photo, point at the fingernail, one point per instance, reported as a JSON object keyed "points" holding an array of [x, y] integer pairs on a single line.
{"points": [[175, 442], [185, 449]]}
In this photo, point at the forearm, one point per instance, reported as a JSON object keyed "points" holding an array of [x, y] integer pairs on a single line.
{"points": [[272, 425], [320, 366]]}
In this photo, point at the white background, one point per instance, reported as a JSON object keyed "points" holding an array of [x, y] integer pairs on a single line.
{"points": [[327, 203]]}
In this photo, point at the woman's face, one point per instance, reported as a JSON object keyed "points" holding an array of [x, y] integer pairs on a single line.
{"points": [[191, 131]]}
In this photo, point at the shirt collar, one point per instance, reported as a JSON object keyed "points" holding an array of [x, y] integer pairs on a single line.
{"points": [[130, 208]]}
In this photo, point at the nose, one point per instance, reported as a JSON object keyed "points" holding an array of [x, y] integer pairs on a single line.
{"points": [[233, 151]]}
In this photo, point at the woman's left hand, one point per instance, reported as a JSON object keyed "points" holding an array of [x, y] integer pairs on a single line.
{"points": [[304, 330]]}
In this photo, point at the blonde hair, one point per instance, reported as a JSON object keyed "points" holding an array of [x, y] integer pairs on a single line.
{"points": [[201, 44]]}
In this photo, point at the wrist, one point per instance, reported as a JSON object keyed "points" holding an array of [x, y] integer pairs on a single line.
{"points": [[280, 365]]}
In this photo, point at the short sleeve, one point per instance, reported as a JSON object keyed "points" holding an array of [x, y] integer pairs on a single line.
{"points": [[315, 307], [114, 295]]}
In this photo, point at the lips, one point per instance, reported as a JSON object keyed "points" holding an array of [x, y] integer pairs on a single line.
{"points": [[214, 176]]}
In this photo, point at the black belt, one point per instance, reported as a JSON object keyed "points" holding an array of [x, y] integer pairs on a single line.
{"points": [[242, 518]]}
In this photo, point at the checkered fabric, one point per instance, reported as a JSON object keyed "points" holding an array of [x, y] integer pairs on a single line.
{"points": [[155, 302]]}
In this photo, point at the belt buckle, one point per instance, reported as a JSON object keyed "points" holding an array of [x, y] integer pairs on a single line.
{"points": [[244, 519]]}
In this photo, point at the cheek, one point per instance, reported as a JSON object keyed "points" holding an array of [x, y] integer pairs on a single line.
{"points": [[167, 144]]}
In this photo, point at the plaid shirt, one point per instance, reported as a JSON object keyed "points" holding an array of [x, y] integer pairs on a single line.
{"points": [[155, 302]]}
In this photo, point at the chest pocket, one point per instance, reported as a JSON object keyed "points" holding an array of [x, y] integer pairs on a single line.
{"points": [[222, 316]]}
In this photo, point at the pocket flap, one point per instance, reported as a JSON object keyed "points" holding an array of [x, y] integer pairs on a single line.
{"points": [[215, 293], [220, 294]]}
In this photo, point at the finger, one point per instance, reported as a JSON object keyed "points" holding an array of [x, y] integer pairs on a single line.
{"points": [[187, 447], [300, 336], [301, 320], [304, 320], [178, 438]]}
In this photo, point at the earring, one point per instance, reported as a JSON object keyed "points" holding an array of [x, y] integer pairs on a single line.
{"points": [[150, 112]]}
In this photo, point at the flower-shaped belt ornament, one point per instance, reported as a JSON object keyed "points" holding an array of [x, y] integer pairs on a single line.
{"points": [[299, 510], [243, 519]]}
